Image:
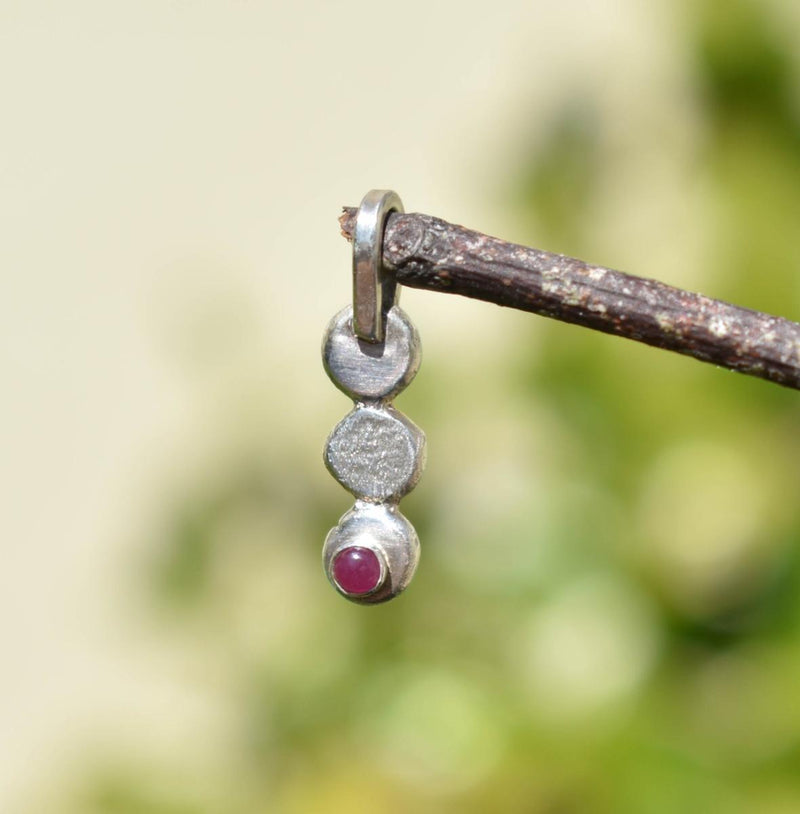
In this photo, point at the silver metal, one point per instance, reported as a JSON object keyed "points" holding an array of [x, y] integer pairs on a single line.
{"points": [[376, 453], [367, 371], [374, 291], [384, 530], [371, 351]]}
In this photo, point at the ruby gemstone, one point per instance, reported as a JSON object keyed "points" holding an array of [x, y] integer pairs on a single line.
{"points": [[357, 570]]}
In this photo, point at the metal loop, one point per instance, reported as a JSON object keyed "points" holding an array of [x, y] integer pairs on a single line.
{"points": [[374, 291]]}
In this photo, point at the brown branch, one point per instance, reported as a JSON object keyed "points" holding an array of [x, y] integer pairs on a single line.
{"points": [[425, 252]]}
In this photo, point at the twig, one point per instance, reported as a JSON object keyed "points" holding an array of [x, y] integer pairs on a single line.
{"points": [[425, 252]]}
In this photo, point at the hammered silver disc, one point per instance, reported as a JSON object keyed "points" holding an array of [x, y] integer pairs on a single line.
{"points": [[371, 371], [376, 453], [384, 530]]}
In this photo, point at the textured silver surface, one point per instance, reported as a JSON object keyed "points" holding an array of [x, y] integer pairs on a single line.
{"points": [[376, 453], [374, 291], [384, 530], [367, 371]]}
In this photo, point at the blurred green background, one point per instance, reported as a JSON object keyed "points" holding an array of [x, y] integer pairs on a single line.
{"points": [[606, 617]]}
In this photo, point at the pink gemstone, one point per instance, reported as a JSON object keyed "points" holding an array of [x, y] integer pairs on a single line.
{"points": [[357, 570]]}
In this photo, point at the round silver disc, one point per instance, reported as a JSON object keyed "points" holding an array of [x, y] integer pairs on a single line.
{"points": [[366, 370], [376, 453]]}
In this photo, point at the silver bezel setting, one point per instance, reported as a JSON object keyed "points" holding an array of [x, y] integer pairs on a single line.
{"points": [[382, 529]]}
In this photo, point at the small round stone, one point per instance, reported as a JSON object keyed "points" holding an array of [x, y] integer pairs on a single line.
{"points": [[357, 570], [376, 453], [371, 371]]}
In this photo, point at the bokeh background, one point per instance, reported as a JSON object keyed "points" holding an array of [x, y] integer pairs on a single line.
{"points": [[606, 617]]}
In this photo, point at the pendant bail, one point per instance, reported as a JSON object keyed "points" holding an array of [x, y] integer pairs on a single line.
{"points": [[374, 290]]}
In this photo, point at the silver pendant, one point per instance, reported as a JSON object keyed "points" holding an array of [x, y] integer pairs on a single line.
{"points": [[371, 352]]}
